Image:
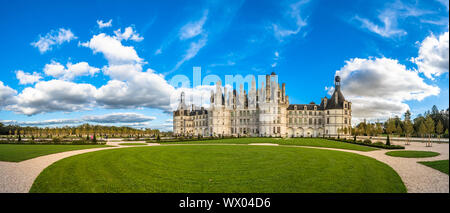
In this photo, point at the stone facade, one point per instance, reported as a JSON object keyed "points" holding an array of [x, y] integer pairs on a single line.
{"points": [[264, 112]]}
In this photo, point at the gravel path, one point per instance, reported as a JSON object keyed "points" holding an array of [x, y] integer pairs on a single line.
{"points": [[19, 176]]}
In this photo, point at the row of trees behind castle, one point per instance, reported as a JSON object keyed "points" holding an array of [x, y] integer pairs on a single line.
{"points": [[77, 131], [433, 123]]}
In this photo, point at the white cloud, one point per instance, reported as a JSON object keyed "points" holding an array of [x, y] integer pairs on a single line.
{"points": [[134, 89], [275, 58], [27, 78], [102, 24], [129, 87], [41, 123], [193, 29], [294, 13], [379, 87], [127, 117], [54, 37], [389, 18], [387, 30], [444, 2], [194, 48], [52, 96], [6, 95], [129, 33], [121, 118], [433, 59], [58, 70], [112, 49]]}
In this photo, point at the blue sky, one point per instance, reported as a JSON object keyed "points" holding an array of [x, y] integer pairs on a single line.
{"points": [[65, 62]]}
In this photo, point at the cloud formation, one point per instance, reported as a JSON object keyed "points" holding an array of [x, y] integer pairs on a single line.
{"points": [[27, 78], [193, 29], [113, 50], [129, 33], [102, 24], [127, 117], [54, 37], [389, 17], [433, 59], [6, 95], [378, 87], [54, 96], [58, 70], [122, 118], [294, 13]]}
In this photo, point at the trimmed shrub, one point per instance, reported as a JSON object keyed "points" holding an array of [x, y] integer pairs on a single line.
{"points": [[367, 141], [56, 140]]}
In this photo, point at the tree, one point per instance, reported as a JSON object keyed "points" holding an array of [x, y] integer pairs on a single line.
{"points": [[422, 130], [399, 130], [439, 128], [388, 141], [390, 126], [407, 115], [429, 125], [409, 129], [379, 129]]}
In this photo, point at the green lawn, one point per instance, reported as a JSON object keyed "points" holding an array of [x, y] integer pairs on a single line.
{"points": [[18, 152], [441, 165], [412, 154], [221, 169], [316, 142], [133, 144]]}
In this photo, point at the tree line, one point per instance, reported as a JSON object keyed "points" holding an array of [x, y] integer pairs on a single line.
{"points": [[84, 130], [433, 123]]}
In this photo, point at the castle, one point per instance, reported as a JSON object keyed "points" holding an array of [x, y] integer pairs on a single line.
{"points": [[263, 112]]}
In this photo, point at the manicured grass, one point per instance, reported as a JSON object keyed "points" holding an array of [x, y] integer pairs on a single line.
{"points": [[18, 152], [221, 169], [316, 142], [441, 165], [133, 144], [412, 154]]}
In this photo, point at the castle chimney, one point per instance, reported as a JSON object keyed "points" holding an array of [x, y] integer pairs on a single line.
{"points": [[337, 83]]}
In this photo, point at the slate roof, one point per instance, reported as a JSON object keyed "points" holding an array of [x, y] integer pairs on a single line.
{"points": [[301, 106], [333, 104]]}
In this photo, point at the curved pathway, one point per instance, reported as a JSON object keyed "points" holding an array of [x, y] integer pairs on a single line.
{"points": [[19, 176]]}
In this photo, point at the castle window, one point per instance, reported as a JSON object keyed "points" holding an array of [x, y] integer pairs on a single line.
{"points": [[345, 120], [328, 120], [310, 121], [310, 113], [290, 120], [328, 112]]}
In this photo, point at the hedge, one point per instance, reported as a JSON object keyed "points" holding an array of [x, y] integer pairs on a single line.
{"points": [[366, 143]]}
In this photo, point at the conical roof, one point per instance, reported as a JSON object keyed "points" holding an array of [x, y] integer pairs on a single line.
{"points": [[336, 101]]}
